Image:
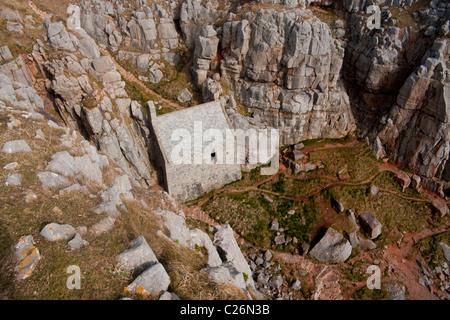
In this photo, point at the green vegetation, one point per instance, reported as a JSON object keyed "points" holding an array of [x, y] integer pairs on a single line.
{"points": [[250, 214], [429, 249], [89, 101], [327, 16], [301, 202], [100, 276]]}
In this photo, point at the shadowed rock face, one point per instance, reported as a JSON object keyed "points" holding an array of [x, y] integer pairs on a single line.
{"points": [[370, 224], [397, 80], [416, 131]]}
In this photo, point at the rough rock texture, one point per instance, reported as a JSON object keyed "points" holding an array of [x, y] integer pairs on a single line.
{"points": [[226, 273], [446, 249], [176, 225], [396, 291], [397, 80], [98, 112], [370, 224], [65, 164], [57, 232], [202, 239], [77, 242], [103, 226], [52, 180], [332, 248], [138, 257], [152, 281], [206, 46], [16, 146], [230, 252], [416, 131], [26, 256], [284, 66], [14, 180], [195, 14], [441, 206]]}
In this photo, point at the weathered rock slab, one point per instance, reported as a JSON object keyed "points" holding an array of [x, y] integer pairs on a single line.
{"points": [[331, 248]]}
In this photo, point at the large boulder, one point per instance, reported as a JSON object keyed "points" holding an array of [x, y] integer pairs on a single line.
{"points": [[103, 64], [446, 249], [370, 224], [441, 206], [229, 250], [202, 239], [26, 256], [284, 66], [57, 232], [139, 256], [226, 273], [53, 180], [176, 224], [16, 146], [331, 248], [59, 38]]}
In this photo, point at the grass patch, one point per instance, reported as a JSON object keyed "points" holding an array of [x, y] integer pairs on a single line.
{"points": [[368, 294], [100, 276], [250, 214], [429, 249]]}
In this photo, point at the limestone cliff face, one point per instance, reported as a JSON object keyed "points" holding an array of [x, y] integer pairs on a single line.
{"points": [[397, 79], [416, 131], [194, 15], [285, 68], [114, 23], [376, 65], [282, 63], [89, 95]]}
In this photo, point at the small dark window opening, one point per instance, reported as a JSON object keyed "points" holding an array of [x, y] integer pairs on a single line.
{"points": [[213, 157]]}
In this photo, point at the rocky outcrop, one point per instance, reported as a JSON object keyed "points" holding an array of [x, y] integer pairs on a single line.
{"points": [[396, 79], [370, 224], [416, 131], [285, 68], [331, 248], [231, 254], [194, 15], [206, 46], [113, 23], [376, 65], [152, 281], [100, 112], [26, 256], [138, 257]]}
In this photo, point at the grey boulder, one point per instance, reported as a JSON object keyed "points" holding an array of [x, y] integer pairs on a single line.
{"points": [[139, 256], [370, 224], [331, 248], [53, 180], [56, 232], [152, 281], [77, 242], [16, 146], [14, 180]]}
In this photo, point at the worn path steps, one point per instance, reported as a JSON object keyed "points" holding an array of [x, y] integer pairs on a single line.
{"points": [[129, 77]]}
